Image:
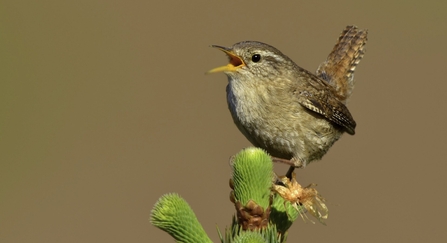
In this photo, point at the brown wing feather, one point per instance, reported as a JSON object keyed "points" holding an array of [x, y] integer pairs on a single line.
{"points": [[319, 97]]}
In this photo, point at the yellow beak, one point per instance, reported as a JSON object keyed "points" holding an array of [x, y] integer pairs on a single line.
{"points": [[235, 61]]}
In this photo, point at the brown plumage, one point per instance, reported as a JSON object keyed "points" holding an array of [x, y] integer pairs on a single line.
{"points": [[292, 113], [339, 67]]}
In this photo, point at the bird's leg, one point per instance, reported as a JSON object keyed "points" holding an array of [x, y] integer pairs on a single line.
{"points": [[289, 173], [291, 162], [284, 161]]}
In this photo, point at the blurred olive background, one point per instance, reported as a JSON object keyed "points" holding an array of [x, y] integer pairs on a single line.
{"points": [[104, 107]]}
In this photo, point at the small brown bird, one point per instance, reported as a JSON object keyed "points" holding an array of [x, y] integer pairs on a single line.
{"points": [[293, 114]]}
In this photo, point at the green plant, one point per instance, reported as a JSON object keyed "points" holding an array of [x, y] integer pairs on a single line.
{"points": [[264, 208]]}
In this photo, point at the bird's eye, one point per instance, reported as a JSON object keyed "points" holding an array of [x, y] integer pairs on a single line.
{"points": [[256, 58]]}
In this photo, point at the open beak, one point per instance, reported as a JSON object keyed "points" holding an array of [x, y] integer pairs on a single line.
{"points": [[235, 61]]}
